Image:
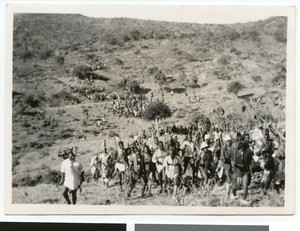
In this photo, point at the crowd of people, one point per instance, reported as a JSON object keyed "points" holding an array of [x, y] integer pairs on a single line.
{"points": [[129, 105], [202, 159]]}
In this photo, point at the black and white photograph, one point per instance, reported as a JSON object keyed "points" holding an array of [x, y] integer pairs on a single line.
{"points": [[150, 109]]}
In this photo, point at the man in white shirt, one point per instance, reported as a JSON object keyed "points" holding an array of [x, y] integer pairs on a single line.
{"points": [[71, 177], [189, 149], [173, 166], [158, 158]]}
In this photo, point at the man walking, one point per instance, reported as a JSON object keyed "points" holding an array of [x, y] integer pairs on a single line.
{"points": [[241, 164], [188, 148], [158, 158], [71, 177], [226, 155], [173, 166]]}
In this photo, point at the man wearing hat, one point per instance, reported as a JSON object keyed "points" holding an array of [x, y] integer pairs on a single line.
{"points": [[71, 177], [205, 163], [226, 155]]}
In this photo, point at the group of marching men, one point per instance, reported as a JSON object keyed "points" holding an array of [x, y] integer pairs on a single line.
{"points": [[213, 157]]}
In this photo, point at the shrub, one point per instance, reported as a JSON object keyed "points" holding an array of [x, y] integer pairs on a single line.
{"points": [[152, 70], [82, 71], [46, 176], [195, 79], [155, 110], [111, 40], [224, 59], [257, 78], [134, 87], [26, 54], [253, 35], [60, 59], [135, 34], [45, 53], [202, 120], [279, 78], [160, 78], [232, 50], [280, 36], [122, 83], [238, 53], [34, 100], [222, 74], [232, 35], [235, 87]]}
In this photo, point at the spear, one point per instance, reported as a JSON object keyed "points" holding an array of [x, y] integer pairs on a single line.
{"points": [[156, 122]]}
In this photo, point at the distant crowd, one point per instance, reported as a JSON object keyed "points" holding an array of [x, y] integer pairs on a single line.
{"points": [[204, 158], [129, 105]]}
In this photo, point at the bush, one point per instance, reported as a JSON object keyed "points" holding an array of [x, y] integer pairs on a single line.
{"points": [[195, 79], [34, 100], [60, 59], [160, 78], [232, 35], [202, 120], [82, 71], [256, 78], [224, 59], [253, 35], [46, 176], [280, 36], [222, 74], [279, 78], [122, 83], [152, 70], [26, 54], [111, 40], [134, 87], [157, 109], [235, 87], [45, 53], [238, 53], [232, 50]]}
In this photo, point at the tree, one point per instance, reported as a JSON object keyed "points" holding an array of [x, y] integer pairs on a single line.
{"points": [[155, 110], [202, 120]]}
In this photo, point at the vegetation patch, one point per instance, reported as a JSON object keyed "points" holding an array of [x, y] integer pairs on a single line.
{"points": [[157, 110]]}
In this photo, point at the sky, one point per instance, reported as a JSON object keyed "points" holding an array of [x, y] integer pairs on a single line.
{"points": [[173, 13], [197, 14]]}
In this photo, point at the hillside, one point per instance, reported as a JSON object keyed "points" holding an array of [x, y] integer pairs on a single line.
{"points": [[198, 62]]}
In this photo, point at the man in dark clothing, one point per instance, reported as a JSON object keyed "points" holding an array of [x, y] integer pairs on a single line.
{"points": [[226, 155], [241, 164], [280, 162], [269, 163], [205, 164], [135, 169]]}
